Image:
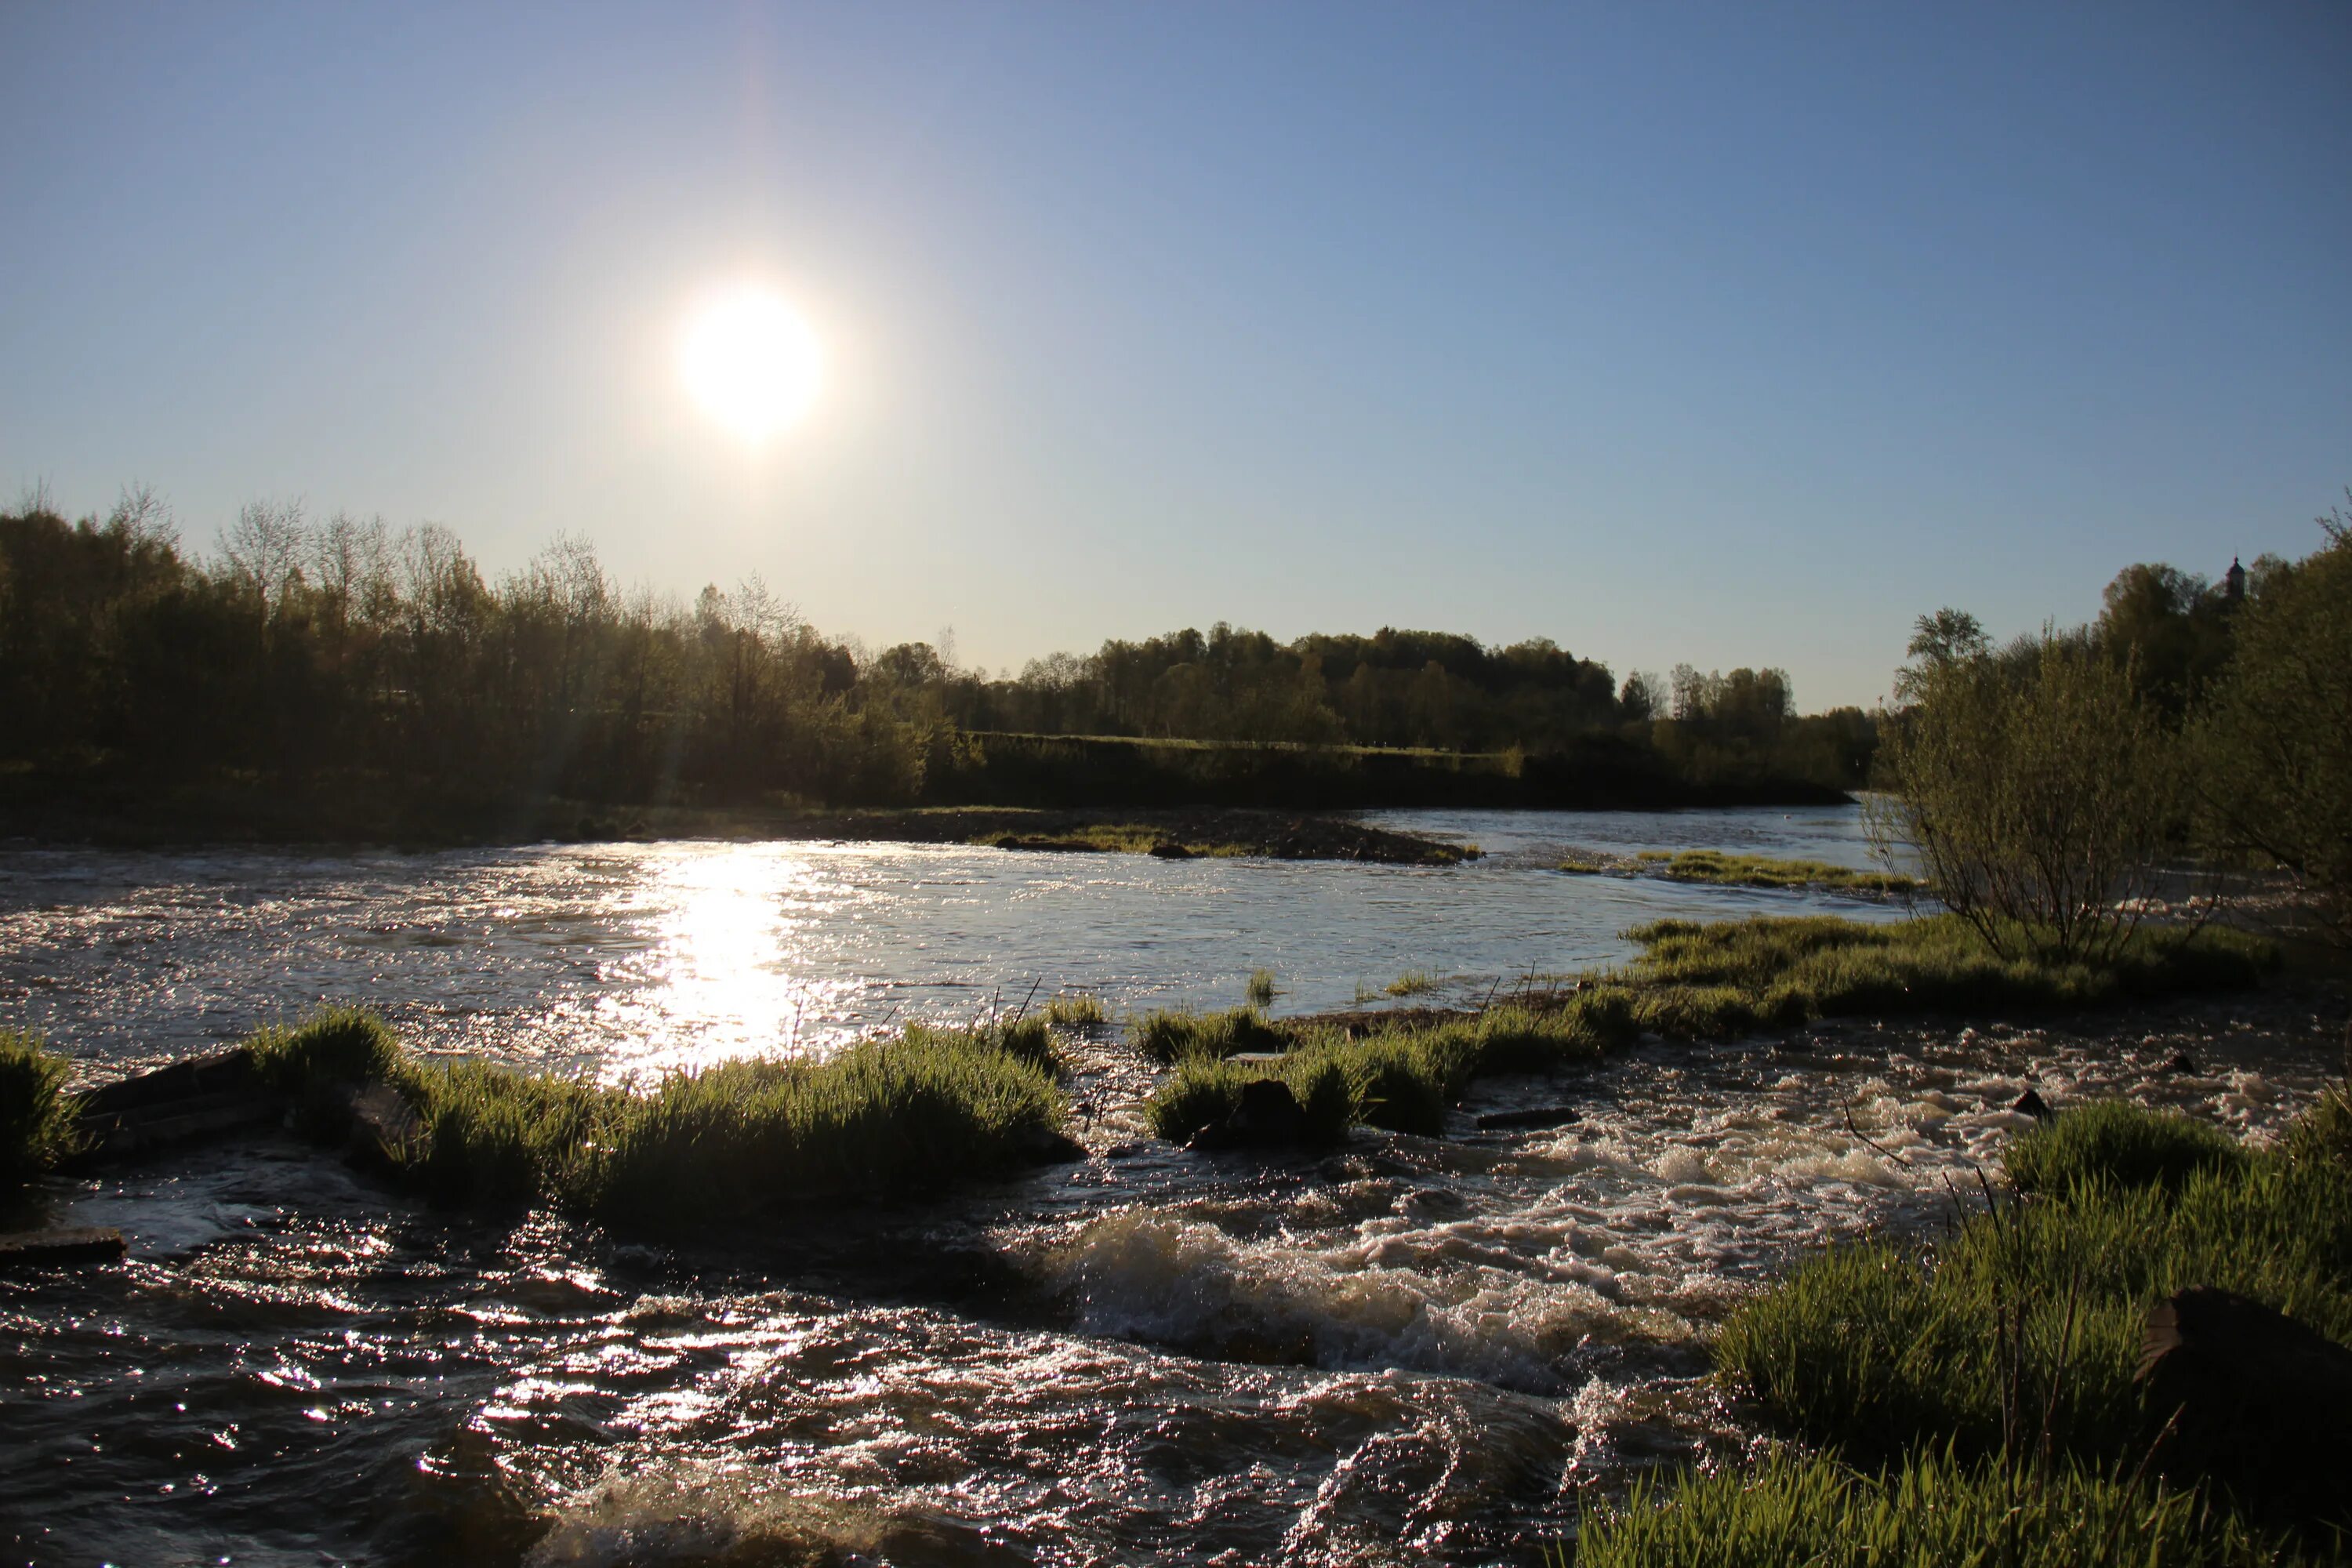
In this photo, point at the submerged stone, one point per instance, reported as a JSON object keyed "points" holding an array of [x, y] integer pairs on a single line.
{"points": [[1534, 1116]]}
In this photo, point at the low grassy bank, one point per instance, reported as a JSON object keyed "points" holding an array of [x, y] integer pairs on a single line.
{"points": [[1761, 872], [917, 1113], [2035, 1315], [1932, 1511], [36, 1116], [1690, 981], [1983, 1399]]}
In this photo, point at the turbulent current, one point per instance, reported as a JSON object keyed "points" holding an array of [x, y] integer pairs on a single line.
{"points": [[1412, 1350]]}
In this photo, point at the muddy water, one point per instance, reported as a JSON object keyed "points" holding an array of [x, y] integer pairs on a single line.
{"points": [[1409, 1350]]}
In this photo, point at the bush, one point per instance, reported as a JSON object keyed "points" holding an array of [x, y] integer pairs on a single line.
{"points": [[2037, 791], [36, 1116]]}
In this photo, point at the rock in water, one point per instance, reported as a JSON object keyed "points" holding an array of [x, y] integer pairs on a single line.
{"points": [[2258, 1401], [2033, 1105], [1168, 850], [1269, 1116], [59, 1248], [1535, 1116]]}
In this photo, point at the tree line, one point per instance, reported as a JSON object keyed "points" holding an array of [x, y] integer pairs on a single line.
{"points": [[340, 656]]}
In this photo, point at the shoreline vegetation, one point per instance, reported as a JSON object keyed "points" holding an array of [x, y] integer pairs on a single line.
{"points": [[2136, 1352], [1722, 869], [926, 1107], [329, 680]]}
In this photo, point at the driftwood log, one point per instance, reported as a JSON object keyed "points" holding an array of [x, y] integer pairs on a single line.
{"points": [[2254, 1400]]}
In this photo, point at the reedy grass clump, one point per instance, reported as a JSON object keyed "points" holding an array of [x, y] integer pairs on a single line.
{"points": [[36, 1116], [1076, 1010], [1400, 1079], [2117, 1142], [1714, 866], [1172, 1035], [1205, 1091], [335, 1044], [1259, 991], [2028, 1323], [1412, 982], [911, 1113], [883, 1116], [1934, 1510], [1767, 971]]}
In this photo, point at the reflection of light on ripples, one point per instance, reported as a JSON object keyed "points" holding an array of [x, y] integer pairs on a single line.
{"points": [[719, 981]]}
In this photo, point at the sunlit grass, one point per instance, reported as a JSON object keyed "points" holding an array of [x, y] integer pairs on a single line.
{"points": [[36, 1116], [1413, 982], [1259, 991], [908, 1114], [1931, 1509], [1076, 1010], [1762, 871], [1173, 1034]]}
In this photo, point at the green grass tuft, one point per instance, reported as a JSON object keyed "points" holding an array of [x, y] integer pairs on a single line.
{"points": [[883, 1116], [36, 1116], [1412, 982], [2119, 1144], [1931, 1511], [1174, 1034], [1259, 991], [338, 1044], [1402, 1079], [1076, 1010]]}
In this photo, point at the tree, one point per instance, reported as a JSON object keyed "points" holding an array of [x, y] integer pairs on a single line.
{"points": [[2038, 801], [2274, 741]]}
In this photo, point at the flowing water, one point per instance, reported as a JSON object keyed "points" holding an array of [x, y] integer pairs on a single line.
{"points": [[1411, 1350]]}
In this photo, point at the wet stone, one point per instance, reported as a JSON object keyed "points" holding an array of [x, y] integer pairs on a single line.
{"points": [[23, 1250]]}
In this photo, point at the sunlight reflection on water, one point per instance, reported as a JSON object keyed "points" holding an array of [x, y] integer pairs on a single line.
{"points": [[629, 959]]}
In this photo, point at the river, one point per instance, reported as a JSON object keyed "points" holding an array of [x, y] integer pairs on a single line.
{"points": [[1411, 1350]]}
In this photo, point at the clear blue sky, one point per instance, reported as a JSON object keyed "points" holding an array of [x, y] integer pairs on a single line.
{"points": [[1735, 333]]}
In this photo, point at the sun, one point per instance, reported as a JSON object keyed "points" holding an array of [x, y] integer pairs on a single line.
{"points": [[752, 362]]}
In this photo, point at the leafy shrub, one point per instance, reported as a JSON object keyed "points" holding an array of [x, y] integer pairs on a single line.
{"points": [[2038, 792]]}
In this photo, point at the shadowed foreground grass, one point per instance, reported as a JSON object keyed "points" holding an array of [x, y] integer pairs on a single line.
{"points": [[917, 1113], [1992, 1376], [1761, 872], [1933, 1511], [36, 1116], [1874, 1346], [1691, 981]]}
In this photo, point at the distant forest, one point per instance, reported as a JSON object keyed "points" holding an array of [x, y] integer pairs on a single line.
{"points": [[341, 661]]}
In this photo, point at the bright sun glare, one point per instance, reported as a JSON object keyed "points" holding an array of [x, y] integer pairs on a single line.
{"points": [[750, 361]]}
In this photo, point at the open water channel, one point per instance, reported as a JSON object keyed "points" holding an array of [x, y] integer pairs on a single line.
{"points": [[1409, 1350]]}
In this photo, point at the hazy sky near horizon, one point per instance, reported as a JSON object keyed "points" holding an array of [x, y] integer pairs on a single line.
{"points": [[1730, 334]]}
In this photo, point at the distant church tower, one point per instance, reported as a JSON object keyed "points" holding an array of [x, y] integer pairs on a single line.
{"points": [[2233, 582]]}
